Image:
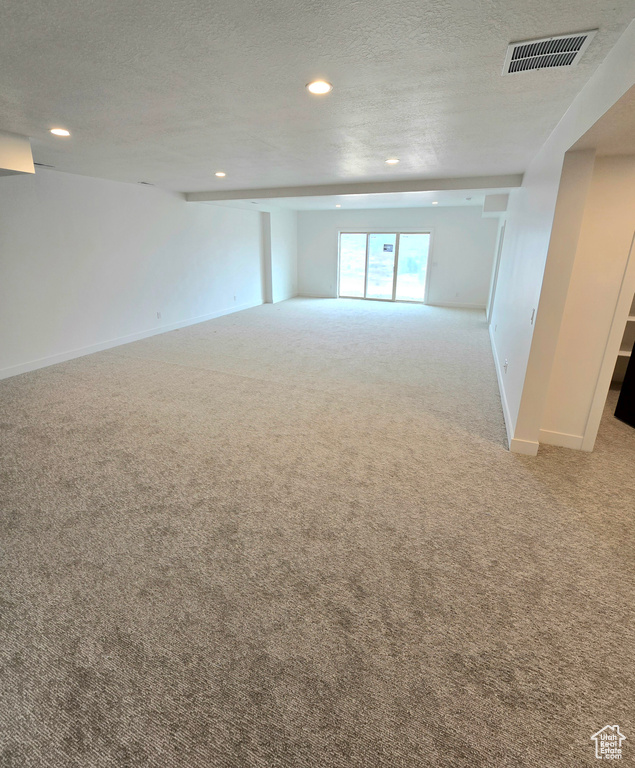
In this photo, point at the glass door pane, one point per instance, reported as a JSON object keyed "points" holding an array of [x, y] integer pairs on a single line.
{"points": [[352, 264], [381, 266], [411, 267]]}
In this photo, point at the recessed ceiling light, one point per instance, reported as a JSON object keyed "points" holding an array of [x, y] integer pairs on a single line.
{"points": [[338, 205], [220, 174], [60, 132], [392, 161], [319, 87], [435, 202]]}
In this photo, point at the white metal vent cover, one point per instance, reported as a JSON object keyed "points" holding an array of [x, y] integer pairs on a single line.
{"points": [[560, 51]]}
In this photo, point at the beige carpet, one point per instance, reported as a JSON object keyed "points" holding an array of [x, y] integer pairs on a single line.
{"points": [[293, 537]]}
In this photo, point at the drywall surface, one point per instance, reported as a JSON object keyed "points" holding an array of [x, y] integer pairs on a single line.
{"points": [[601, 256], [15, 154], [571, 194], [284, 254], [462, 248], [87, 263], [530, 217]]}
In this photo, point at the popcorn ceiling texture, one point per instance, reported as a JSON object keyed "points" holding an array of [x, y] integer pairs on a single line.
{"points": [[171, 92], [292, 537]]}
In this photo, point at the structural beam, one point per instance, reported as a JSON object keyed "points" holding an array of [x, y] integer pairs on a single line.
{"points": [[362, 188]]}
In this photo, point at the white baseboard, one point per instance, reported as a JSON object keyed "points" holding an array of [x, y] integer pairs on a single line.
{"points": [[561, 439], [526, 447], [499, 375], [61, 357], [449, 304], [453, 305], [284, 298]]}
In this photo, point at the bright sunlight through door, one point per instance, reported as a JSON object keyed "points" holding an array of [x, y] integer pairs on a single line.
{"points": [[391, 266]]}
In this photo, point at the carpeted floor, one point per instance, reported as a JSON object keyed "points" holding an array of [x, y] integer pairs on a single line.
{"points": [[293, 537]]}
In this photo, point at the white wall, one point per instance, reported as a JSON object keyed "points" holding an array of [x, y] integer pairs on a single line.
{"points": [[462, 248], [530, 349], [284, 254], [603, 247], [517, 296], [88, 263]]}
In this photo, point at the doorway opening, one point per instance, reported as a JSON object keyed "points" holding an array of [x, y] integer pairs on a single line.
{"points": [[385, 266], [615, 385]]}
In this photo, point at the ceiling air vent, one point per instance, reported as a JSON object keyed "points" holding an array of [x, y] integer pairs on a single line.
{"points": [[561, 51]]}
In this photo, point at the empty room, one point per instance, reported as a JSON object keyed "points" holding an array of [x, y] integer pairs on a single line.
{"points": [[317, 392]]}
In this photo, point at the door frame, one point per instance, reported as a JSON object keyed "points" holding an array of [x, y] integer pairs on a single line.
{"points": [[494, 285], [372, 231], [613, 343]]}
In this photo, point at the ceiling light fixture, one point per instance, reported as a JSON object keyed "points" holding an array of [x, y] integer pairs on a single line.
{"points": [[60, 132], [435, 202], [392, 161], [319, 87], [338, 205], [220, 174]]}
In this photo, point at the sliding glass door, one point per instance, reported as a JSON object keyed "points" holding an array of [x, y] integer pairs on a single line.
{"points": [[380, 273], [353, 265], [390, 266], [412, 267]]}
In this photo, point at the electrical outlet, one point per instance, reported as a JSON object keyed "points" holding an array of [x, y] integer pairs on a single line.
{"points": [[158, 315], [506, 364]]}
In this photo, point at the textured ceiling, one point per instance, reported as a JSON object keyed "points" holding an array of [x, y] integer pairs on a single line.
{"points": [[169, 92]]}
